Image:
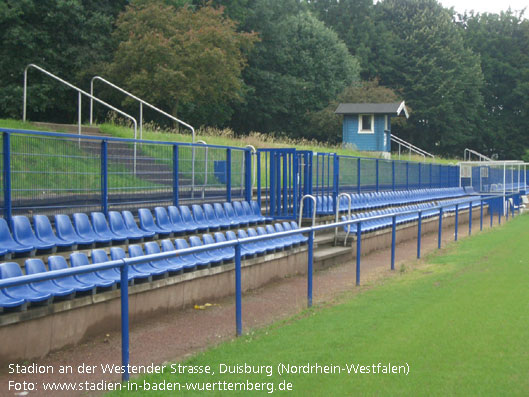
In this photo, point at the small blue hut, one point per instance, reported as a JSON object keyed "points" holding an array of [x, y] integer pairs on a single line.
{"points": [[367, 126]]}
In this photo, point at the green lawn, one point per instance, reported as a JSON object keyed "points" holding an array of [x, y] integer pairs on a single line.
{"points": [[460, 320]]}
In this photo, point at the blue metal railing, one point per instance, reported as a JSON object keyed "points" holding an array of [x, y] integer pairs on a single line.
{"points": [[123, 264]]}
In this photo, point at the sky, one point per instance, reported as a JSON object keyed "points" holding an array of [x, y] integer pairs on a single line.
{"points": [[493, 6]]}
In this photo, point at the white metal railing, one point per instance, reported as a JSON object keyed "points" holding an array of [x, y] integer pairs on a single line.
{"points": [[254, 174], [411, 148], [338, 213], [80, 93], [205, 171], [471, 152], [313, 209], [141, 101]]}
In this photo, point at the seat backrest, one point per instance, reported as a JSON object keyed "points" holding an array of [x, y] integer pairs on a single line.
{"points": [[261, 230], [64, 227], [270, 229], [128, 218], [10, 269], [34, 265], [174, 215], [219, 237], [198, 213], [99, 256], [22, 228], [247, 209], [135, 250], [78, 259], [117, 253], [146, 218], [162, 217], [57, 262], [5, 234], [152, 247], [42, 226], [252, 232], [209, 212], [208, 239], [82, 224], [181, 243], [195, 241], [242, 233], [230, 211], [186, 214], [230, 235], [239, 211], [219, 211], [99, 222], [279, 227], [167, 245], [255, 208], [287, 226], [116, 222]]}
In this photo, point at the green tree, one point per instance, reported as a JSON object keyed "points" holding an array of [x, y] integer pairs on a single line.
{"points": [[298, 67], [186, 61], [63, 36], [327, 126], [437, 74], [502, 40]]}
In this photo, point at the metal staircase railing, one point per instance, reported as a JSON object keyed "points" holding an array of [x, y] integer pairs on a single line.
{"points": [[411, 148]]}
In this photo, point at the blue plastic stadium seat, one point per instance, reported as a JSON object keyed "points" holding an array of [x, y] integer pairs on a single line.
{"points": [[9, 245], [134, 275], [301, 239], [176, 219], [249, 213], [131, 224], [152, 248], [118, 227], [211, 217], [262, 245], [202, 222], [228, 251], [23, 234], [188, 219], [163, 221], [66, 231], [80, 259], [253, 248], [24, 291], [279, 243], [44, 232], [269, 244], [59, 263], [146, 267], [257, 211], [7, 302], [230, 213], [147, 223], [245, 252], [99, 221], [180, 260], [285, 226], [206, 256], [289, 242], [181, 243], [217, 252], [84, 228], [221, 215], [100, 256], [241, 213], [34, 266]]}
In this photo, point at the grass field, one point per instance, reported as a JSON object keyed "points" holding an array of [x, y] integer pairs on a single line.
{"points": [[459, 320]]}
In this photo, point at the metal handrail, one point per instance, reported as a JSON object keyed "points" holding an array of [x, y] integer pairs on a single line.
{"points": [[470, 152], [141, 101], [254, 153], [338, 212], [205, 170], [80, 92], [313, 209], [410, 147]]}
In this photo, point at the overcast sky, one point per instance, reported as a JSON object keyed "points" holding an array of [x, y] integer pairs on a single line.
{"points": [[487, 5]]}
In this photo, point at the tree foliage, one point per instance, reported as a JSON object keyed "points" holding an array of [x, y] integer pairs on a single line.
{"points": [[186, 61], [299, 66]]}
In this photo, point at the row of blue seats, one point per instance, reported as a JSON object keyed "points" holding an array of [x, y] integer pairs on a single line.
{"points": [[426, 209], [122, 227], [68, 287], [372, 200]]}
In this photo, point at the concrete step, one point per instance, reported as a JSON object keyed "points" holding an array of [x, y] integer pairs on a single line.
{"points": [[326, 253]]}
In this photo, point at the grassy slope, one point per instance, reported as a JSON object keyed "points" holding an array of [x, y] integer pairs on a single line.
{"points": [[460, 321]]}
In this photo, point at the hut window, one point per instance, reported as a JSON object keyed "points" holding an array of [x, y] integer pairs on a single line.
{"points": [[366, 124]]}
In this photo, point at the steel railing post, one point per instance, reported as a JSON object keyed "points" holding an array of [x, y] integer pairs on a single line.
{"points": [[104, 177], [470, 218], [6, 148], [228, 175], [238, 290], [175, 175], [456, 222], [309, 269], [358, 250], [358, 176], [393, 240], [124, 292], [248, 193], [440, 231], [376, 175], [481, 215], [419, 232]]}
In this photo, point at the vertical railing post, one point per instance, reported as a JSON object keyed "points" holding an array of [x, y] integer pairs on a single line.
{"points": [[491, 213], [79, 115], [104, 177], [393, 240], [393, 175], [419, 166], [358, 175], [407, 175], [500, 210], [6, 149], [258, 177], [358, 250], [481, 215], [431, 165], [440, 231], [124, 291], [248, 175], [228, 175], [376, 174], [238, 290], [309, 269], [336, 182], [419, 232], [456, 222], [440, 178], [470, 218], [175, 175]]}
